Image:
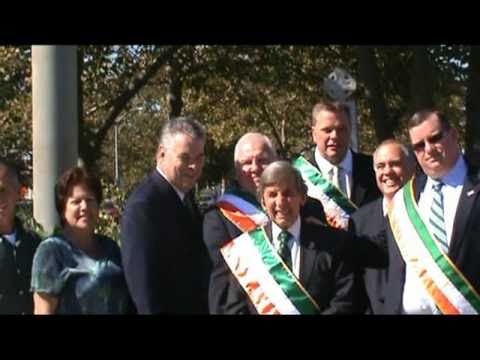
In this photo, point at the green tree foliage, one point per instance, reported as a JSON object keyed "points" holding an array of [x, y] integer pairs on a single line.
{"points": [[235, 89]]}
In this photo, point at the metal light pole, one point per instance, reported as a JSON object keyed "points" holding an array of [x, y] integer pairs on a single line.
{"points": [[117, 176], [55, 124], [340, 86]]}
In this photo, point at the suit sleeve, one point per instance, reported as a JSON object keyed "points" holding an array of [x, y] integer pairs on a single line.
{"points": [[225, 295], [343, 293], [142, 257]]}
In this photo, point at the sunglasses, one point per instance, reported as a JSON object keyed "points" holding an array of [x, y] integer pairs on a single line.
{"points": [[432, 140]]}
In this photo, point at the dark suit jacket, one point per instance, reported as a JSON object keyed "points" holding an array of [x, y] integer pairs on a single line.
{"points": [[370, 255], [165, 261], [16, 272], [464, 248], [364, 189], [324, 272], [217, 231]]}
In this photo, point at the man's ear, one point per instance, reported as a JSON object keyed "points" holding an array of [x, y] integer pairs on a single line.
{"points": [[160, 152], [263, 204], [304, 201]]}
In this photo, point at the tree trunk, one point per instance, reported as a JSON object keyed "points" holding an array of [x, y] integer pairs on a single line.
{"points": [[95, 141], [370, 76], [421, 85], [175, 92], [472, 134]]}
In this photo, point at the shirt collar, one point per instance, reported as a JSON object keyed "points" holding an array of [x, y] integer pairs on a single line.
{"points": [[325, 165], [179, 193], [456, 175], [294, 230], [384, 206], [11, 238]]}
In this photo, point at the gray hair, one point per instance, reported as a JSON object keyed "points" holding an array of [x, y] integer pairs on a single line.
{"points": [[245, 138], [409, 157], [280, 172], [184, 125]]}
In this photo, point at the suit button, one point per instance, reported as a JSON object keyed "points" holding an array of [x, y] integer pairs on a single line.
{"points": [[18, 271], [20, 292]]}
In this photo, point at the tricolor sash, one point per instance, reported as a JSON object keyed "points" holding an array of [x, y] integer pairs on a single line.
{"points": [[241, 212], [270, 285], [337, 206], [446, 285]]}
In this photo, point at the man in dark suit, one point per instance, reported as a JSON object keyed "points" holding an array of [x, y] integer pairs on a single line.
{"points": [[238, 210], [290, 265], [17, 247], [448, 203], [350, 172], [166, 263], [394, 166]]}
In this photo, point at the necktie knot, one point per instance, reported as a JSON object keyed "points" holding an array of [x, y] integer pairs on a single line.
{"points": [[437, 185], [283, 238]]}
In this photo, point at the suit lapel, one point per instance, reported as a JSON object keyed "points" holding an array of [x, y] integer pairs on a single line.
{"points": [[358, 189], [469, 194], [307, 255]]}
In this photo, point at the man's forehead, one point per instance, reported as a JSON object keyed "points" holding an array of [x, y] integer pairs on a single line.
{"points": [[388, 152]]}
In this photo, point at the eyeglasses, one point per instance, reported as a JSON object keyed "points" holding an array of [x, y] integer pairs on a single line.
{"points": [[432, 140]]}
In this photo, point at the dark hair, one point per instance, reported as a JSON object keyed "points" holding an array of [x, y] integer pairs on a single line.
{"points": [[11, 168], [69, 179], [336, 107], [422, 115], [279, 172]]}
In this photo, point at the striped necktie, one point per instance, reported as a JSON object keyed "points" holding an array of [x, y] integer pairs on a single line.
{"points": [[437, 220], [337, 178], [283, 249]]}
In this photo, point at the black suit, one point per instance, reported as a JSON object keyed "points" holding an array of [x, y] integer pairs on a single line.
{"points": [[370, 255], [16, 271], [364, 189], [464, 250], [324, 272], [165, 261], [217, 231]]}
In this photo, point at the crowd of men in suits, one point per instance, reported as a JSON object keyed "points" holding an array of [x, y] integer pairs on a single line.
{"points": [[331, 231]]}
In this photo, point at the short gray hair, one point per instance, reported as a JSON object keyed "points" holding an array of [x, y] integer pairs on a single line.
{"points": [[183, 124], [279, 172], [409, 157], [243, 139]]}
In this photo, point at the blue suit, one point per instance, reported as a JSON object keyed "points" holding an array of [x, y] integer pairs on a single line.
{"points": [[165, 261]]}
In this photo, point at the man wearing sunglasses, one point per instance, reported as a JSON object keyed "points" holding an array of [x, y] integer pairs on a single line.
{"points": [[434, 265]]}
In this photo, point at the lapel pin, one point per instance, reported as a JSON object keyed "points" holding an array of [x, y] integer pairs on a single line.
{"points": [[471, 192]]}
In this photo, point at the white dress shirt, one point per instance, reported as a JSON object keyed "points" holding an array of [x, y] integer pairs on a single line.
{"points": [[293, 243], [346, 164], [415, 297]]}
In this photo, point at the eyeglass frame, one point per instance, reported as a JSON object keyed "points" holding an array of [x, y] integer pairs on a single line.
{"points": [[432, 140]]}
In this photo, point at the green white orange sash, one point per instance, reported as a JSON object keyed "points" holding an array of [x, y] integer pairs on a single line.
{"points": [[446, 285], [241, 212], [271, 286], [336, 205]]}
